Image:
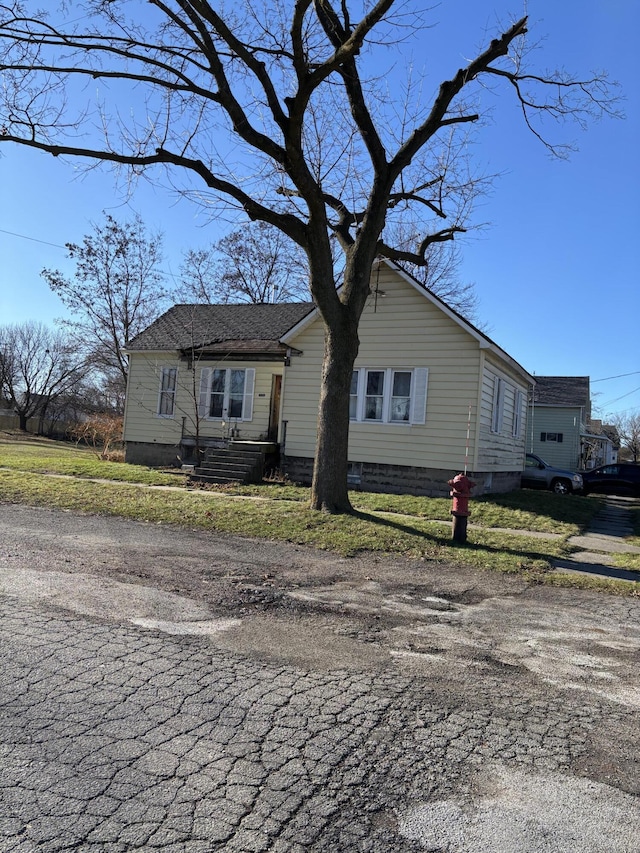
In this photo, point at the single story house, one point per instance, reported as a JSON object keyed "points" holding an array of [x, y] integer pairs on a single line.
{"points": [[431, 393]]}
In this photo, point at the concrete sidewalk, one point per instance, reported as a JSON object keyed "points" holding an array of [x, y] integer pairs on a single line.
{"points": [[604, 538]]}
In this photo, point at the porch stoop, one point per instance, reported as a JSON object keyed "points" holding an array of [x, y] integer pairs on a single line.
{"points": [[241, 462]]}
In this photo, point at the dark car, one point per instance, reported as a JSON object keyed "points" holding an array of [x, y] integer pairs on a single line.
{"points": [[538, 474], [621, 478]]}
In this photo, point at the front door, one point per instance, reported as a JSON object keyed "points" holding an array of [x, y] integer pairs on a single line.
{"points": [[274, 409]]}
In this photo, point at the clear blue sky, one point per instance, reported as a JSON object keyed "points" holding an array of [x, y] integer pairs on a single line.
{"points": [[556, 267]]}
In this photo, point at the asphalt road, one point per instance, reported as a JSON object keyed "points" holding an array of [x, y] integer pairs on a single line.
{"points": [[174, 691]]}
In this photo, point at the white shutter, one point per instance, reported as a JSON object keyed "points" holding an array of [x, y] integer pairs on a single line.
{"points": [[249, 381], [419, 396], [205, 384]]}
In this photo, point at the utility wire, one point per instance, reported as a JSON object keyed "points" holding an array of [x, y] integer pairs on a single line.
{"points": [[619, 376], [33, 239]]}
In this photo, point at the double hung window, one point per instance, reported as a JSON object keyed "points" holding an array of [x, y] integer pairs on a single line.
{"points": [[388, 396], [167, 393], [517, 414], [226, 393], [498, 404]]}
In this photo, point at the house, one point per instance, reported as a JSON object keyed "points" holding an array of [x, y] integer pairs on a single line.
{"points": [[431, 394], [600, 444], [559, 424], [206, 374]]}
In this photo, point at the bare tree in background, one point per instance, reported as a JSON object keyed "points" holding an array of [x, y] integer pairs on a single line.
{"points": [[279, 110], [37, 367], [256, 263], [116, 291], [628, 426]]}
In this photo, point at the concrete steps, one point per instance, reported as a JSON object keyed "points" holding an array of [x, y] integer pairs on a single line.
{"points": [[230, 465]]}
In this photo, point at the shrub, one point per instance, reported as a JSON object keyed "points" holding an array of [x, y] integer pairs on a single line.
{"points": [[102, 432]]}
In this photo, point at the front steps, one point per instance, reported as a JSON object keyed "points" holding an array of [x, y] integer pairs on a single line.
{"points": [[230, 465]]}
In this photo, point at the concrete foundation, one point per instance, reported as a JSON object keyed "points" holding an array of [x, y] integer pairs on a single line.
{"points": [[406, 479]]}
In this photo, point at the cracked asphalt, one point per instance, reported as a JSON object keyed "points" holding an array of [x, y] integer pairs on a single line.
{"points": [[173, 691]]}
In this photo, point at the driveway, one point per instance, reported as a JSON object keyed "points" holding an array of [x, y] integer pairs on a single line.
{"points": [[168, 690]]}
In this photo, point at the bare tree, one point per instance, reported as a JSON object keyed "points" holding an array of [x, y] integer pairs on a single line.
{"points": [[316, 149], [37, 367], [628, 426], [115, 292], [440, 271], [256, 263]]}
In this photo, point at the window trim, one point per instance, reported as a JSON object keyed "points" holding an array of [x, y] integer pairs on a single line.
{"points": [[417, 395], [516, 430], [204, 403], [497, 410], [167, 392]]}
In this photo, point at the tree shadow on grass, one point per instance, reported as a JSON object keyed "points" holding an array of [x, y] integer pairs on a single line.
{"points": [[447, 541]]}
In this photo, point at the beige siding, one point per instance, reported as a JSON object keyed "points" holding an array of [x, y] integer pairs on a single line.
{"points": [[500, 450], [401, 329], [142, 422]]}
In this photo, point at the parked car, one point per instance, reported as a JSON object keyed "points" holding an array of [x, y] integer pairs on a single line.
{"points": [[622, 478], [538, 474]]}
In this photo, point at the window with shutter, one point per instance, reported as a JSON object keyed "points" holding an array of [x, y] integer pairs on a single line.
{"points": [[226, 393], [388, 395]]}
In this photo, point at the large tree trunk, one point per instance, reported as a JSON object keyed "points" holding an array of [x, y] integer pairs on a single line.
{"points": [[329, 491]]}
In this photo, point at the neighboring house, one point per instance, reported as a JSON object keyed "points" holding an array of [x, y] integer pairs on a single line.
{"points": [[558, 424], [601, 444], [430, 392]]}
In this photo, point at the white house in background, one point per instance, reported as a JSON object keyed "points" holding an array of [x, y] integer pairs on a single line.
{"points": [[431, 393]]}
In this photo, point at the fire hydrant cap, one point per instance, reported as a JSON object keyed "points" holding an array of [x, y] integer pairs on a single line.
{"points": [[461, 483]]}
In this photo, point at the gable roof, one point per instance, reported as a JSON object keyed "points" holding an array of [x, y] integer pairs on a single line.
{"points": [[570, 391], [247, 327], [484, 341]]}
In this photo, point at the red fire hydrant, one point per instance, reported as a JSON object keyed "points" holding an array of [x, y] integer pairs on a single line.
{"points": [[461, 487]]}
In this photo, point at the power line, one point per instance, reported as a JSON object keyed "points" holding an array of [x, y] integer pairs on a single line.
{"points": [[33, 239], [619, 376], [610, 402]]}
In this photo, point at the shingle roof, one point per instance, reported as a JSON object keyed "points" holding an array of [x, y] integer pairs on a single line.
{"points": [[562, 391], [244, 327]]}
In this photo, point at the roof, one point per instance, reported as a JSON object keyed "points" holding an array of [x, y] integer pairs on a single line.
{"points": [[247, 327], [570, 391]]}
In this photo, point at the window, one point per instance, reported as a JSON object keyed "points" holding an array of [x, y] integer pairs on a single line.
{"points": [[354, 473], [401, 395], [552, 436], [498, 404], [226, 393], [388, 396], [353, 396], [374, 399], [517, 414], [167, 394]]}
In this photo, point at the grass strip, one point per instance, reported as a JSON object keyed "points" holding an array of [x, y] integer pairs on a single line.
{"points": [[58, 458], [289, 521]]}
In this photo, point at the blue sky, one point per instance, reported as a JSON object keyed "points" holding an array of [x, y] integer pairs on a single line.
{"points": [[556, 267]]}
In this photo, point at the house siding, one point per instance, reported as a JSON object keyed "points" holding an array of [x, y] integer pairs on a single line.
{"points": [[500, 450], [403, 329], [555, 419], [144, 428]]}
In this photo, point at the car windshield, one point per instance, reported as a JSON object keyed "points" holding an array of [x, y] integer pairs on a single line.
{"points": [[534, 461]]}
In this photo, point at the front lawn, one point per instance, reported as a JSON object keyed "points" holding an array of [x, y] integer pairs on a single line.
{"points": [[499, 536]]}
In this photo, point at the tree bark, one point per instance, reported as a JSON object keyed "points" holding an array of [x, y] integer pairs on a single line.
{"points": [[329, 491]]}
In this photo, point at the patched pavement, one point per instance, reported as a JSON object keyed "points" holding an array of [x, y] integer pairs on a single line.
{"points": [[374, 705]]}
